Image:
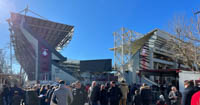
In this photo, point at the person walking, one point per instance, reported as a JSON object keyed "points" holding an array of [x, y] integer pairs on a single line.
{"points": [[62, 95], [146, 94], [103, 96], [188, 92], [94, 94], [79, 94], [125, 90], [114, 94]]}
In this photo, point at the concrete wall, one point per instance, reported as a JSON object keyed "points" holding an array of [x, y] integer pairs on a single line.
{"points": [[34, 43], [135, 67]]}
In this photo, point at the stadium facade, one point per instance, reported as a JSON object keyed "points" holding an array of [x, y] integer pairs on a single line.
{"points": [[151, 59], [36, 43]]}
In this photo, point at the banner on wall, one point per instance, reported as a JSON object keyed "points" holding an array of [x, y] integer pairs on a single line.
{"points": [[45, 63]]}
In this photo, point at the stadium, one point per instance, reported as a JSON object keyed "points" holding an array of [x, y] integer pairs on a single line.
{"points": [[36, 44]]}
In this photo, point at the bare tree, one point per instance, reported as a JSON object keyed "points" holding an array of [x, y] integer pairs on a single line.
{"points": [[185, 41], [3, 63]]}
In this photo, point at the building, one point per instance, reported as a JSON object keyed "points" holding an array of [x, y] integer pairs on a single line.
{"points": [[37, 43], [89, 70], [151, 59]]}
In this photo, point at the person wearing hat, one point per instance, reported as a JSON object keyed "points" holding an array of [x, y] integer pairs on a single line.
{"points": [[125, 90], [62, 95], [79, 94]]}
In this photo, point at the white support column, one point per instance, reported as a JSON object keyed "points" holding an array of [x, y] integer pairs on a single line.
{"points": [[151, 58], [34, 43]]}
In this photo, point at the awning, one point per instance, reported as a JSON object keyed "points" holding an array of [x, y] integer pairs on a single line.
{"points": [[161, 72]]}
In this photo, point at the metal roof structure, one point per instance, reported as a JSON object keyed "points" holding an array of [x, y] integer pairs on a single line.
{"points": [[135, 45], [51, 34], [56, 34], [162, 72]]}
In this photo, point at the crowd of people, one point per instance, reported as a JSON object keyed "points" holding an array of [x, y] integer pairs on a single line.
{"points": [[110, 93]]}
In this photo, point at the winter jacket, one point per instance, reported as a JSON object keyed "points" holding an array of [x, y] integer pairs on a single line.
{"points": [[94, 93], [195, 98], [172, 98], [104, 97], [115, 93], [62, 96], [137, 100], [49, 95], [187, 95], [124, 89], [16, 99], [79, 95], [146, 94], [31, 98]]}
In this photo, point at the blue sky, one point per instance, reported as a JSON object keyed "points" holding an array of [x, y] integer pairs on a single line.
{"points": [[96, 20]]}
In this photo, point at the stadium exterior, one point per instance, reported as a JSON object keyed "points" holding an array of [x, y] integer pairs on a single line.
{"points": [[36, 43], [151, 60]]}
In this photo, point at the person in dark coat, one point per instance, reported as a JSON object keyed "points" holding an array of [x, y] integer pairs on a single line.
{"points": [[43, 92], [6, 95], [146, 94], [49, 94], [15, 89], [137, 100], [79, 94], [115, 94], [94, 94], [188, 92], [31, 97], [130, 96], [103, 96], [16, 99]]}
